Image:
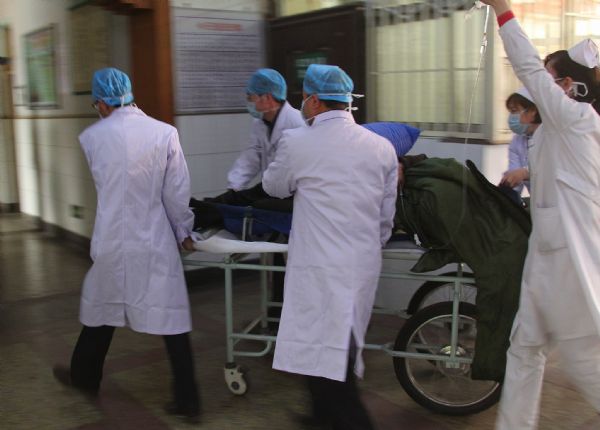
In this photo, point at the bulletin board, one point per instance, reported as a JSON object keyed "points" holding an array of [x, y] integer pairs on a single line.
{"points": [[215, 53], [40, 49]]}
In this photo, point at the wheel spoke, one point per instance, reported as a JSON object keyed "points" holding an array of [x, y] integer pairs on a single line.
{"points": [[433, 383]]}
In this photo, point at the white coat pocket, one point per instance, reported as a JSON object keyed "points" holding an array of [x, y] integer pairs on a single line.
{"points": [[550, 231]]}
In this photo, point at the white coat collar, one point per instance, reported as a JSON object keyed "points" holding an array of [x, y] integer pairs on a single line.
{"points": [[128, 110], [333, 114]]}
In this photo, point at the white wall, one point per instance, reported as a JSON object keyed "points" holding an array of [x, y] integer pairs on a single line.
{"points": [[52, 173], [8, 183], [211, 144]]}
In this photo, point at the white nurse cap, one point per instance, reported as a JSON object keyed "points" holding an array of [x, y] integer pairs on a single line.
{"points": [[585, 53]]}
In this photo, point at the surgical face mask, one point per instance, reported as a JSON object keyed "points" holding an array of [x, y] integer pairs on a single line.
{"points": [[515, 124], [96, 107], [579, 89], [575, 90], [251, 106], [308, 121]]}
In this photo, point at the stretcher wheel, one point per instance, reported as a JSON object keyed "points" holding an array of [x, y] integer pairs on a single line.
{"points": [[441, 386], [236, 379], [439, 291]]}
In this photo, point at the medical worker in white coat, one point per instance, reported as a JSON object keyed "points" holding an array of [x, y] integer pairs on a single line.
{"points": [[343, 179], [266, 101], [523, 121], [560, 293], [266, 94], [142, 216]]}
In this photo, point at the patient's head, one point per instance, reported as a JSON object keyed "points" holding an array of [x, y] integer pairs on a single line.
{"points": [[405, 163]]}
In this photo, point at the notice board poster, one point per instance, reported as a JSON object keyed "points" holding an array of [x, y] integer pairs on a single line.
{"points": [[41, 68], [215, 53]]}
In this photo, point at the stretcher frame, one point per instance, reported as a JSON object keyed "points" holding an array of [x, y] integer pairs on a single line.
{"points": [[231, 262]]}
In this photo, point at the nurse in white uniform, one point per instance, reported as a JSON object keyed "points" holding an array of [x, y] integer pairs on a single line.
{"points": [[343, 179], [523, 121], [560, 293], [142, 216]]}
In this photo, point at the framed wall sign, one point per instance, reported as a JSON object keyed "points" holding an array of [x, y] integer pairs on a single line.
{"points": [[215, 53], [40, 48]]}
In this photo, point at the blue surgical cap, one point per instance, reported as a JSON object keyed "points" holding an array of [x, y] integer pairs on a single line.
{"points": [[267, 81], [328, 83], [112, 86]]}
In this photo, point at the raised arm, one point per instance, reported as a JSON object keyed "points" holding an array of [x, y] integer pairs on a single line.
{"points": [[556, 108], [247, 165]]}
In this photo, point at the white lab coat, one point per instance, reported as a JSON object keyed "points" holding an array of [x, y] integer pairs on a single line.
{"points": [[564, 157], [143, 191], [560, 292], [343, 178], [262, 147]]}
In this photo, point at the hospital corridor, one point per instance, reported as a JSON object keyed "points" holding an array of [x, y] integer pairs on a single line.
{"points": [[40, 281], [300, 214]]}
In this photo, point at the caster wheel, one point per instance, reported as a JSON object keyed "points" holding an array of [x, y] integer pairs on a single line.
{"points": [[236, 379]]}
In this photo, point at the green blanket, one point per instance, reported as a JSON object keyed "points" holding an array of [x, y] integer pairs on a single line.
{"points": [[459, 216]]}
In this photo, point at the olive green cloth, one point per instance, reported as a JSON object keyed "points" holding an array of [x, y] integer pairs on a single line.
{"points": [[459, 216]]}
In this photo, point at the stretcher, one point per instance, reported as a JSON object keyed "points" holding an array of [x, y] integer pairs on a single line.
{"points": [[431, 353]]}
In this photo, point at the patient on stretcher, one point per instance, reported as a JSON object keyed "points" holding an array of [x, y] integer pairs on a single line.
{"points": [[457, 216], [210, 212]]}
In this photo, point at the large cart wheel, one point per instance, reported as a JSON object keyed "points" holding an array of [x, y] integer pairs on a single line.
{"points": [[437, 385], [432, 292]]}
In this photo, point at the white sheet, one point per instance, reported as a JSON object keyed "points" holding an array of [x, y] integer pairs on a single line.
{"points": [[224, 242]]}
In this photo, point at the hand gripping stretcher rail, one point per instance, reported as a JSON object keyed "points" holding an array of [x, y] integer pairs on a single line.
{"points": [[432, 351]]}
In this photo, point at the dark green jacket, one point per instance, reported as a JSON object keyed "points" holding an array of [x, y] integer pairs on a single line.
{"points": [[459, 216]]}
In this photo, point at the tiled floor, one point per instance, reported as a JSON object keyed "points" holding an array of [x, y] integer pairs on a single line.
{"points": [[40, 279]]}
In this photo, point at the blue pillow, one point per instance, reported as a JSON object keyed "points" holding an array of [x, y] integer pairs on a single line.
{"points": [[402, 136]]}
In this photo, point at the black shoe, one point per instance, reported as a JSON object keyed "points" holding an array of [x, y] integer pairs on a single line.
{"points": [[63, 375], [188, 415]]}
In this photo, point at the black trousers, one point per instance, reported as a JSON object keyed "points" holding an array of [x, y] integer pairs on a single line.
{"points": [[87, 364], [338, 402]]}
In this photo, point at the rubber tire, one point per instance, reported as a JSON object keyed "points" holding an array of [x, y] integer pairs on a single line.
{"points": [[424, 290], [404, 335]]}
